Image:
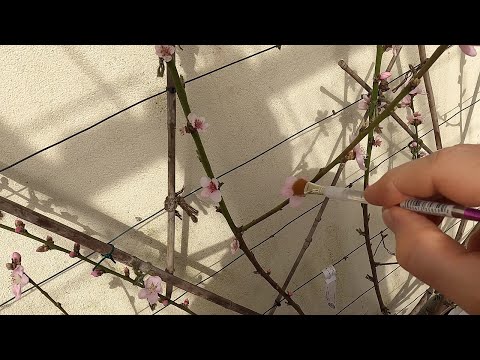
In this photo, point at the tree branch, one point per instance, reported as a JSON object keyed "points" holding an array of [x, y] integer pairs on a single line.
{"points": [[308, 240], [119, 255], [171, 125], [223, 207], [380, 117], [431, 99], [399, 121], [106, 270]]}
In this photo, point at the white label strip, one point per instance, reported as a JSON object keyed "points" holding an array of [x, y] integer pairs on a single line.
{"points": [[330, 285]]}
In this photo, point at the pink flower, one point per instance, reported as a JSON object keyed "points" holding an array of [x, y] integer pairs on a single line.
{"points": [[16, 258], [165, 52], [153, 286], [165, 302], [385, 75], [468, 50], [72, 254], [210, 189], [364, 103], [377, 142], [419, 90], [287, 191], [197, 122], [406, 101], [415, 119], [358, 152], [186, 302], [19, 280], [96, 273], [234, 245], [413, 145]]}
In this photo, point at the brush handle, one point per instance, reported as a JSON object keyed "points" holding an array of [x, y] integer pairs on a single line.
{"points": [[339, 193], [439, 209], [416, 205]]}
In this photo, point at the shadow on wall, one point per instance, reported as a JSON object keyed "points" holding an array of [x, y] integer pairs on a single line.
{"points": [[237, 103]]}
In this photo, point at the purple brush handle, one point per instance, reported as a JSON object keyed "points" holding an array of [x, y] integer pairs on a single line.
{"points": [[439, 209], [471, 214]]}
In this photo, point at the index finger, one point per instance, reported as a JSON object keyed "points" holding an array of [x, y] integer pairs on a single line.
{"points": [[452, 172]]}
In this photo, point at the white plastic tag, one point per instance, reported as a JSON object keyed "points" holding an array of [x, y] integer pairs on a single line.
{"points": [[331, 286]]}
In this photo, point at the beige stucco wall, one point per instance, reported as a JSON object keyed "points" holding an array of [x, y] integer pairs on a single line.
{"points": [[102, 181]]}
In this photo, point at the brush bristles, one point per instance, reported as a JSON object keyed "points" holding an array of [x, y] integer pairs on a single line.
{"points": [[299, 187]]}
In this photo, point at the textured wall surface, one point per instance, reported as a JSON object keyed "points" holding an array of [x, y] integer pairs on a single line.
{"points": [[108, 178]]}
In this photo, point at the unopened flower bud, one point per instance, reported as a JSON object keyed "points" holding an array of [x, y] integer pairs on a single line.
{"points": [[165, 302], [126, 271], [42, 248], [96, 273], [76, 248], [72, 254], [19, 229], [19, 223], [16, 258], [49, 238], [186, 302]]}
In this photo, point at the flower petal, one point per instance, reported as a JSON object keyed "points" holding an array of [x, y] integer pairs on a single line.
{"points": [[360, 160], [17, 291], [143, 293], [363, 105], [191, 118], [295, 201], [153, 280], [234, 245], [24, 280], [152, 298], [286, 191], [216, 196], [468, 50], [205, 181], [205, 193], [204, 127], [385, 75], [215, 181], [289, 181]]}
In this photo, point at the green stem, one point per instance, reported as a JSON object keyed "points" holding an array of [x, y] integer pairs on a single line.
{"points": [[366, 217], [223, 207], [44, 293], [378, 119], [103, 268]]}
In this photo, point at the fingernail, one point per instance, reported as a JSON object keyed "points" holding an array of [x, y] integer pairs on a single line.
{"points": [[388, 219]]}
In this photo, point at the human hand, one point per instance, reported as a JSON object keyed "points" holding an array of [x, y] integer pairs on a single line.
{"points": [[422, 248]]}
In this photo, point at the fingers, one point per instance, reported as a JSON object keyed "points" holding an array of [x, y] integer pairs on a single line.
{"points": [[435, 258], [452, 172], [474, 241], [422, 248]]}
